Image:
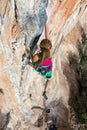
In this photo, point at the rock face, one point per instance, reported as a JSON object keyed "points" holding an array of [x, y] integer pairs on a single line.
{"points": [[22, 22]]}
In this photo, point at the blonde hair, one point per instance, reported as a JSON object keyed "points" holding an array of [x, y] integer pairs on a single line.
{"points": [[45, 46]]}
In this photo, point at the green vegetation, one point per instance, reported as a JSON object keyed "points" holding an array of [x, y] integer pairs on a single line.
{"points": [[80, 64]]}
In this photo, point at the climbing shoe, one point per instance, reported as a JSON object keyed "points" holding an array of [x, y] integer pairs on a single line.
{"points": [[44, 92], [44, 95]]}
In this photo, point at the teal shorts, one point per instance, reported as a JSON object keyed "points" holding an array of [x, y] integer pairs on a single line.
{"points": [[48, 75]]}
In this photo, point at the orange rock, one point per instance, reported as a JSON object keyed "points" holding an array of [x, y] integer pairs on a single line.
{"points": [[7, 85], [4, 6], [12, 32], [1, 60], [7, 36], [68, 7], [16, 30], [59, 16]]}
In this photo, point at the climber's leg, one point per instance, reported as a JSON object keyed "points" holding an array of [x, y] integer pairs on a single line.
{"points": [[45, 89], [46, 85]]}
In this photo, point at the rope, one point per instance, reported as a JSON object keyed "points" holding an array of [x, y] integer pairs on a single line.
{"points": [[58, 45]]}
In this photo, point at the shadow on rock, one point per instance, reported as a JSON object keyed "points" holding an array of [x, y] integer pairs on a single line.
{"points": [[4, 120]]}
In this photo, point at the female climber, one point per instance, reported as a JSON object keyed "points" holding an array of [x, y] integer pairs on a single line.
{"points": [[42, 61]]}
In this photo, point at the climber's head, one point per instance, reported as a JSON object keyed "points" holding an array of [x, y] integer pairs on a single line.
{"points": [[46, 44]]}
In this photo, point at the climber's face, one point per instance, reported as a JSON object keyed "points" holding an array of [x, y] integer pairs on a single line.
{"points": [[35, 58]]}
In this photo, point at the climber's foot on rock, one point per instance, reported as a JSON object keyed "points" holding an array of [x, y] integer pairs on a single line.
{"points": [[44, 95]]}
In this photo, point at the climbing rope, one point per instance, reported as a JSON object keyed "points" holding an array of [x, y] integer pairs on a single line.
{"points": [[58, 45]]}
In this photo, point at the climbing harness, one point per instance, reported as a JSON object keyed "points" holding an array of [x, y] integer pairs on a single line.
{"points": [[43, 69]]}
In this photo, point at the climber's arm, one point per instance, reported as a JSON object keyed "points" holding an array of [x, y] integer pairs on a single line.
{"points": [[31, 56], [47, 35], [29, 51]]}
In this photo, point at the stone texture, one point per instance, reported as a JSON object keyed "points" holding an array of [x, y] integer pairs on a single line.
{"points": [[23, 21]]}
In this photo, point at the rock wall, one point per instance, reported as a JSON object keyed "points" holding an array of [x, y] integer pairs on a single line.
{"points": [[22, 22]]}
